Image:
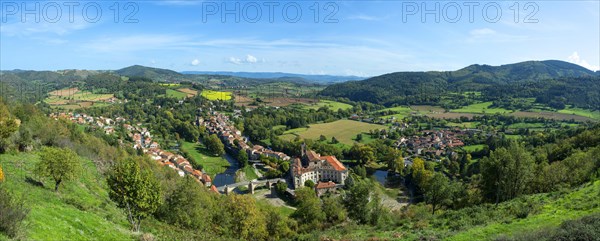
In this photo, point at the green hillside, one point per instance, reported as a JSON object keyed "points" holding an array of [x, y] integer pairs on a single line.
{"points": [[79, 211], [551, 82], [162, 75], [512, 218]]}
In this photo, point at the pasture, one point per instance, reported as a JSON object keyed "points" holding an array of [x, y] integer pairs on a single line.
{"points": [[581, 112], [480, 108], [344, 131], [332, 105], [188, 91], [74, 98], [176, 94], [199, 156], [552, 115], [473, 148]]}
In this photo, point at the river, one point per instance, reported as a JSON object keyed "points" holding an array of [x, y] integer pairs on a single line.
{"points": [[228, 176], [381, 176]]}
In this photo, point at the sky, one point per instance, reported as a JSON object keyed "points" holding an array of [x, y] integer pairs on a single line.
{"points": [[361, 38]]}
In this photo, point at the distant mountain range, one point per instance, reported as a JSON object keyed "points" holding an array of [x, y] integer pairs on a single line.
{"points": [[173, 76], [280, 75], [530, 78]]}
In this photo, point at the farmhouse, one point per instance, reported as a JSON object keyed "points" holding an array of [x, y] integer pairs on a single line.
{"points": [[317, 168]]}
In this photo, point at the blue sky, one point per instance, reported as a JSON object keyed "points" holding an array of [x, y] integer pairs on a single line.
{"points": [[363, 38]]}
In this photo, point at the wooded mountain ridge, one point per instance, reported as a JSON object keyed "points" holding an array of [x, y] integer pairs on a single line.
{"points": [[549, 80]]}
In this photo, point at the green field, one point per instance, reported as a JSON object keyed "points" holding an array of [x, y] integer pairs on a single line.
{"points": [[332, 105], [249, 172], [463, 124], [199, 155], [80, 210], [344, 131], [581, 112], [401, 110], [169, 84], [176, 94], [73, 98], [216, 95], [480, 108], [473, 148], [526, 125]]}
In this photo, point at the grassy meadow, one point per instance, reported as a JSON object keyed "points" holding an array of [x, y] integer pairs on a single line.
{"points": [[332, 105], [199, 156], [480, 108], [344, 131], [176, 94], [581, 112], [74, 98], [79, 210]]}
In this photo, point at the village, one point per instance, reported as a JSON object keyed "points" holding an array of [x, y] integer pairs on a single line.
{"points": [[325, 171], [142, 140]]}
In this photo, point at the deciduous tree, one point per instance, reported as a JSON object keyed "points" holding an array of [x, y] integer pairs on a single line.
{"points": [[59, 164], [137, 191], [334, 210], [214, 145], [308, 214], [507, 172], [356, 201], [437, 191]]}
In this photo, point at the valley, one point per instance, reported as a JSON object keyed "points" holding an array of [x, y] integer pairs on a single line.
{"points": [[223, 144]]}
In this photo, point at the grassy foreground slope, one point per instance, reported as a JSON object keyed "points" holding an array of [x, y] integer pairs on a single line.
{"points": [[80, 210], [485, 222], [555, 209]]}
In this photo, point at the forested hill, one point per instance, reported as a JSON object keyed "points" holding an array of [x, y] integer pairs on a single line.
{"points": [[428, 87], [163, 75]]}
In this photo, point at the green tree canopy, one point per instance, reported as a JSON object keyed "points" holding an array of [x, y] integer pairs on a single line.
{"points": [[438, 191], [214, 145], [356, 201], [59, 164], [309, 214], [137, 191], [334, 209], [507, 172]]}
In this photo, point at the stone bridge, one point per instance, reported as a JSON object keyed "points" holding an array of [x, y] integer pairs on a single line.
{"points": [[227, 189]]}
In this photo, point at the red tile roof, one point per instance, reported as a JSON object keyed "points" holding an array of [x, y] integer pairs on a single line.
{"points": [[312, 156], [197, 173], [337, 165], [324, 185], [206, 178]]}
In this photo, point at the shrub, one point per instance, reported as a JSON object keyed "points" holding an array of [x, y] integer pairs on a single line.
{"points": [[13, 212], [586, 228]]}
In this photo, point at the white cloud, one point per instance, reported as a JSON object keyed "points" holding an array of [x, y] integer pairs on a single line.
{"points": [[251, 59], [576, 59], [195, 62], [248, 60], [235, 60]]}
